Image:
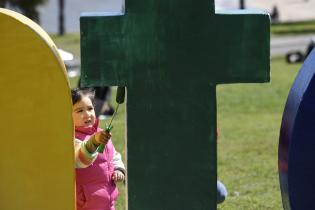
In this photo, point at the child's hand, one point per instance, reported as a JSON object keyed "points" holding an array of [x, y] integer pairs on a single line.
{"points": [[118, 176], [101, 137]]}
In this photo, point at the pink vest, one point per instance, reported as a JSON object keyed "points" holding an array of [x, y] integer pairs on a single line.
{"points": [[94, 186]]}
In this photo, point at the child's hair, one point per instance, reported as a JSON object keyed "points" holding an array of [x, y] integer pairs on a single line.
{"points": [[78, 93]]}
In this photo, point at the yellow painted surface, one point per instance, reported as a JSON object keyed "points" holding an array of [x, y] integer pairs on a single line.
{"points": [[36, 161]]}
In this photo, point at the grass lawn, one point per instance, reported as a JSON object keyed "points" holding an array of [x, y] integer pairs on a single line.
{"points": [[249, 118], [68, 42], [295, 28]]}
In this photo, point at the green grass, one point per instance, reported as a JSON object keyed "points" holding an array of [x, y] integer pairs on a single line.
{"points": [[249, 119], [68, 42], [294, 28]]}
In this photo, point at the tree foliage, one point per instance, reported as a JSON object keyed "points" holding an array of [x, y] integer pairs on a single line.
{"points": [[26, 7]]}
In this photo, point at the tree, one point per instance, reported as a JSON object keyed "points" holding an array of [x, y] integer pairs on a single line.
{"points": [[3, 3], [27, 7], [242, 4], [61, 17]]}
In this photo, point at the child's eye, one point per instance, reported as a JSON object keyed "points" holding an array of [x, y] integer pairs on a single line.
{"points": [[79, 111], [90, 108]]}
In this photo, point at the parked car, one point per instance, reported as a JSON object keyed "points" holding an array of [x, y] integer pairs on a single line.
{"points": [[298, 56]]}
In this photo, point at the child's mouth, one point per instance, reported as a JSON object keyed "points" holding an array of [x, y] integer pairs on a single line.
{"points": [[88, 122]]}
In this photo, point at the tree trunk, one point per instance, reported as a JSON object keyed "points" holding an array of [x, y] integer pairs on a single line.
{"points": [[242, 4], [61, 17], [3, 3]]}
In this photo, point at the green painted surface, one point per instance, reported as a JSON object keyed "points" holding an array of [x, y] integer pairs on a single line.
{"points": [[171, 55]]}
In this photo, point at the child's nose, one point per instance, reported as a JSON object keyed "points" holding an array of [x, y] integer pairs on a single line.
{"points": [[85, 114]]}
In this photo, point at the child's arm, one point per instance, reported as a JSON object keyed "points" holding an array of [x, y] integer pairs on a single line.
{"points": [[85, 151], [119, 168], [83, 158], [118, 163]]}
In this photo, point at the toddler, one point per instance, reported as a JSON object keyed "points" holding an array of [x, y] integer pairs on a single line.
{"points": [[96, 173]]}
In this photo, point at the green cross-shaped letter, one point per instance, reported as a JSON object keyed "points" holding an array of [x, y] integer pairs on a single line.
{"points": [[171, 54]]}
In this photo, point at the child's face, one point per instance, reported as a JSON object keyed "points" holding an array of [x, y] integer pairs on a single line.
{"points": [[83, 113]]}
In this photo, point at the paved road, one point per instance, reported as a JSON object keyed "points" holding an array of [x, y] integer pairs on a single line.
{"points": [[281, 45]]}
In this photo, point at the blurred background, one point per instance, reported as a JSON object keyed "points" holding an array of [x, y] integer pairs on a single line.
{"points": [[49, 12], [291, 19], [61, 17], [249, 115]]}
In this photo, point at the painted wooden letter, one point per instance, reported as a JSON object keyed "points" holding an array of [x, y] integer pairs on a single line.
{"points": [[171, 55], [37, 158]]}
